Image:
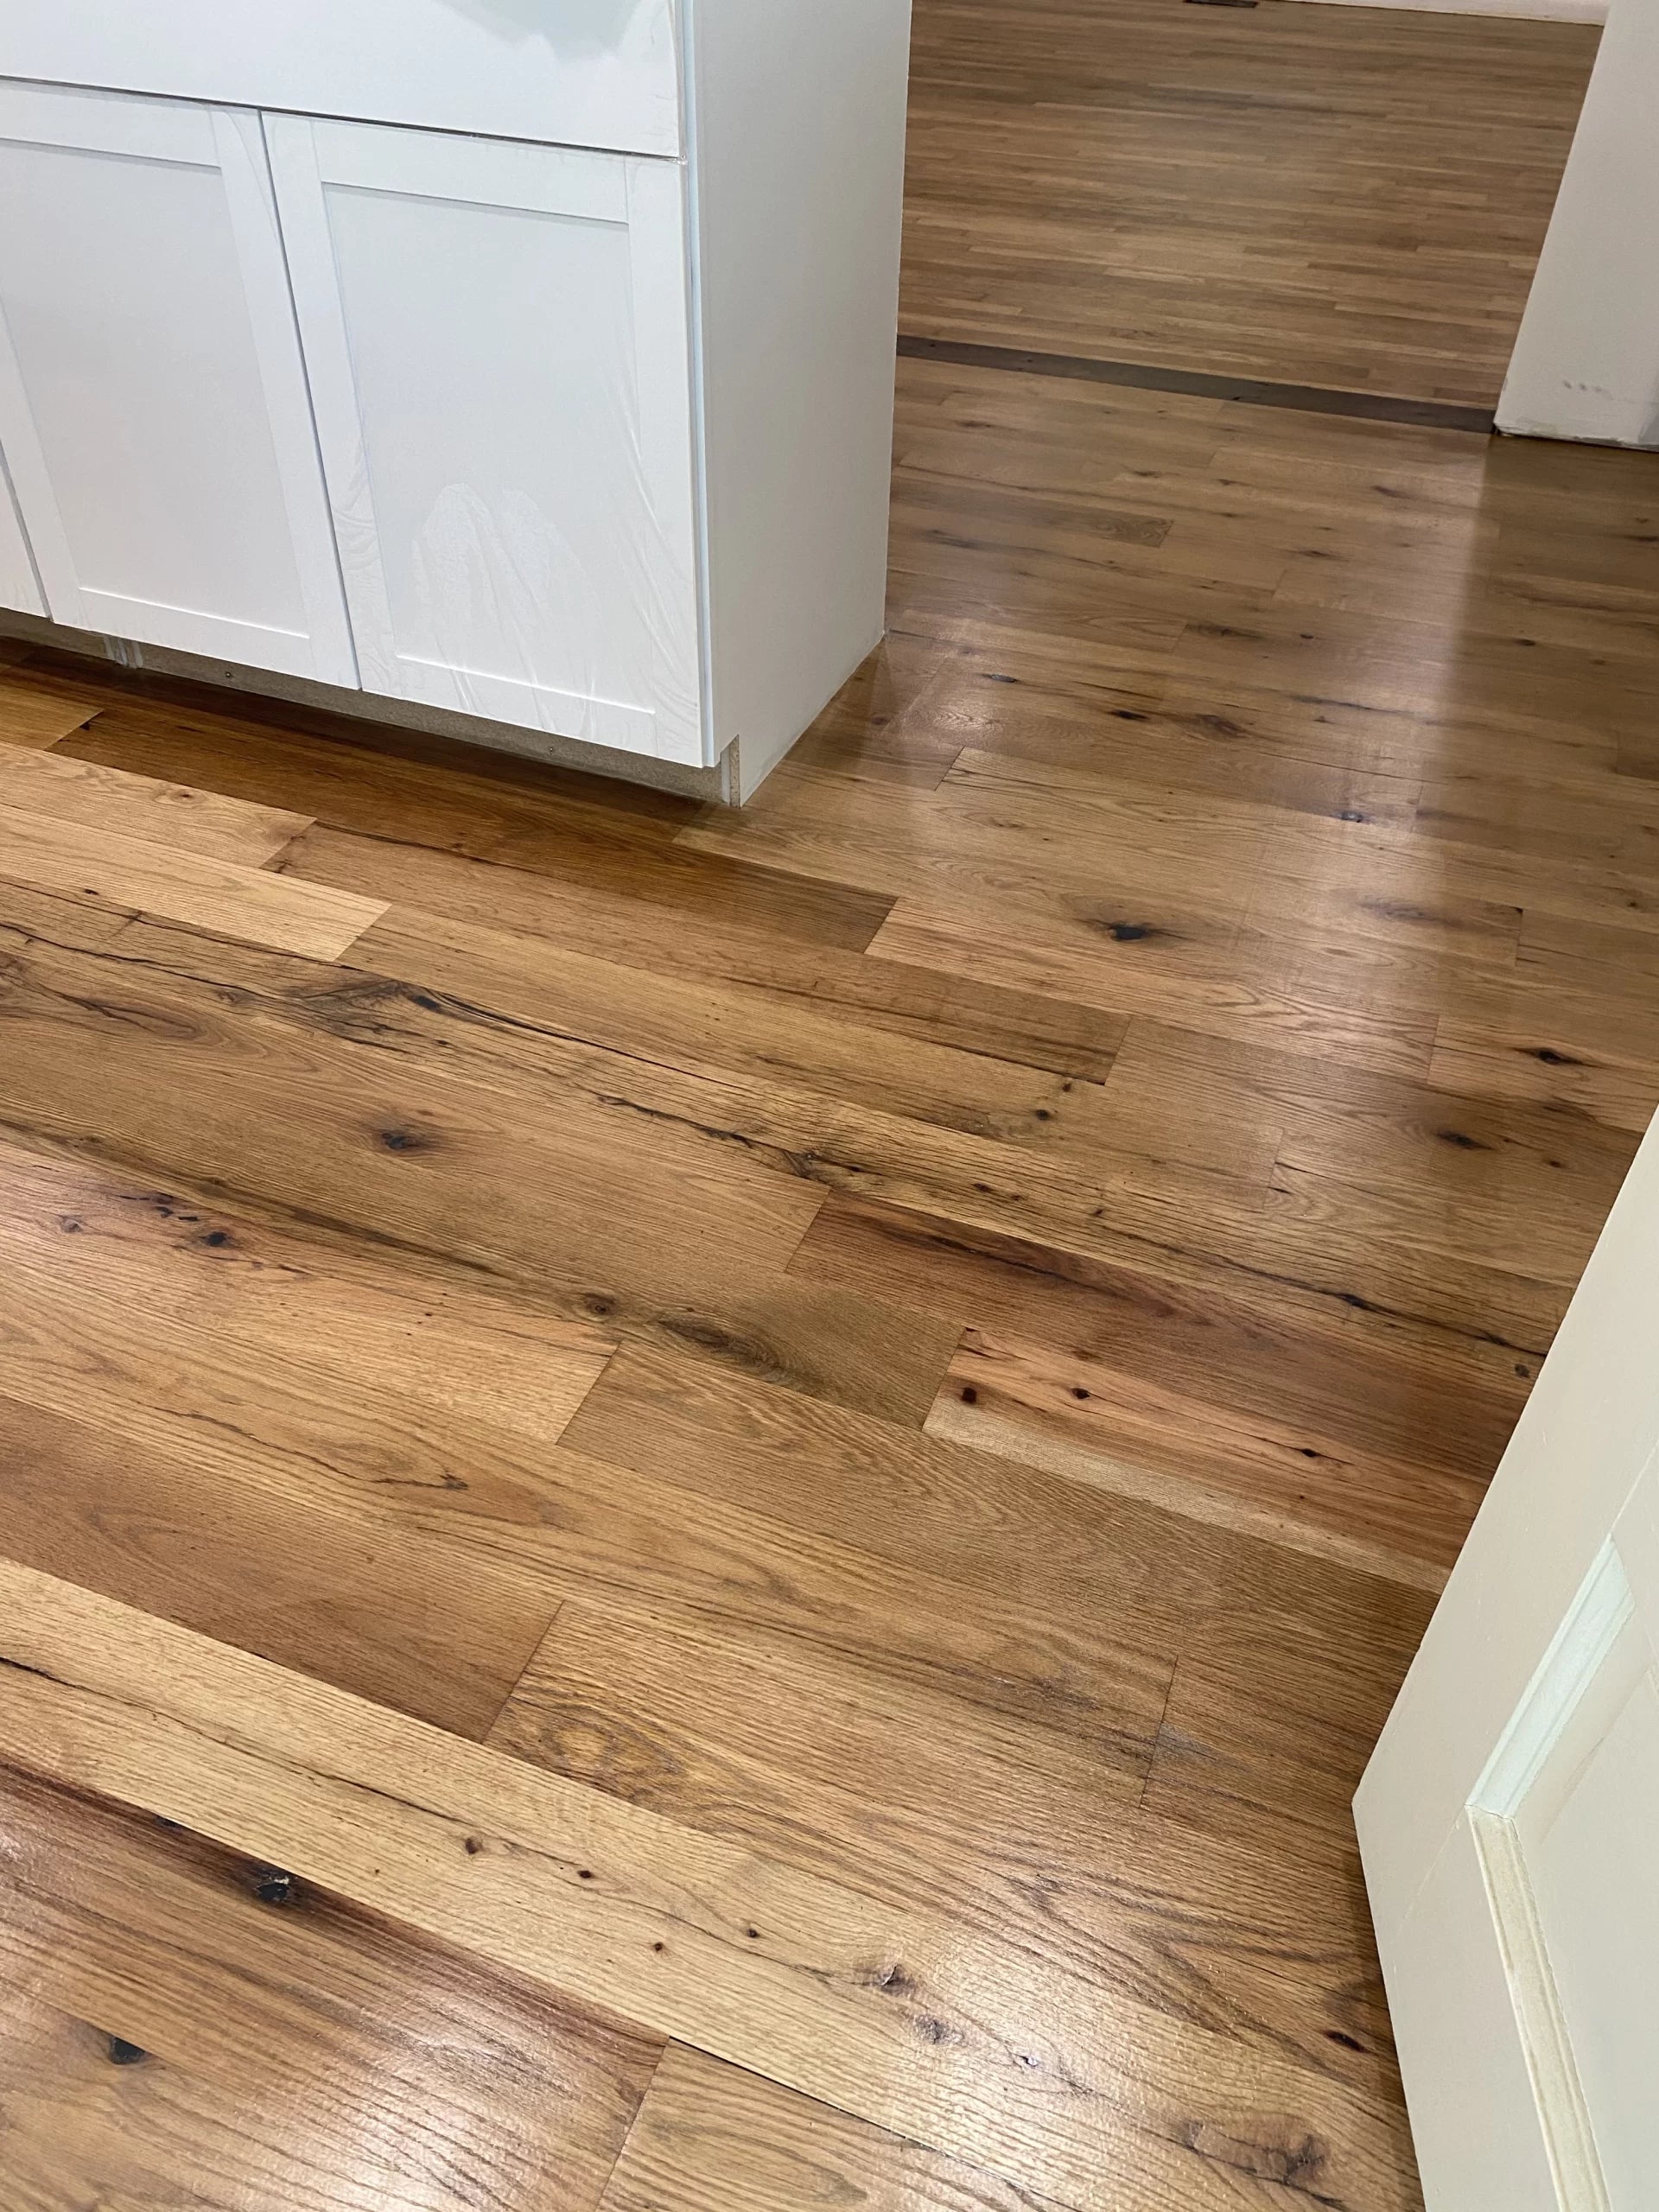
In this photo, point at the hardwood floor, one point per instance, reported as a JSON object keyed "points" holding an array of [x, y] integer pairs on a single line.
{"points": [[1352, 201], [778, 1466]]}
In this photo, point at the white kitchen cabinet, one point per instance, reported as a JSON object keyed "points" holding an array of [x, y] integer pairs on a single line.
{"points": [[530, 363], [574, 72], [154, 413], [507, 441]]}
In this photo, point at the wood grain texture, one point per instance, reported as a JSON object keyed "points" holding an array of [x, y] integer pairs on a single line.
{"points": [[905, 2020], [712, 2138], [809, 1754], [46, 853], [175, 815], [33, 714], [1350, 237], [284, 2051], [911, 1359]]}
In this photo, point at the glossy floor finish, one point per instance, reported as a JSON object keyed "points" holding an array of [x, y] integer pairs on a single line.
{"points": [[1353, 200], [709, 1512]]}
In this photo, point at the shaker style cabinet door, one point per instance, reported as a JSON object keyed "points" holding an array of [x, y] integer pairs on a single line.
{"points": [[153, 407], [499, 350]]}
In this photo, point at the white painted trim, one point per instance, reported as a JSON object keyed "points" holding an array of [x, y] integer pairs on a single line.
{"points": [[1596, 1619], [1557, 2092], [1553, 11]]}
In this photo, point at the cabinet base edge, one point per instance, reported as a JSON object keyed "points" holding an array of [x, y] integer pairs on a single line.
{"points": [[718, 784]]}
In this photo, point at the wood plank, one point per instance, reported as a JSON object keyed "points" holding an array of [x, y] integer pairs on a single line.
{"points": [[589, 843], [176, 816], [1036, 1031], [1149, 959], [805, 1755], [282, 2048], [1101, 1577], [1268, 1730], [712, 2138], [898, 2021], [381, 1110], [51, 855], [406, 1617], [716, 1030], [33, 715]]}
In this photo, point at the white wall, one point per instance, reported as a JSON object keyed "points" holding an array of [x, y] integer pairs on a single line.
{"points": [[1586, 362]]}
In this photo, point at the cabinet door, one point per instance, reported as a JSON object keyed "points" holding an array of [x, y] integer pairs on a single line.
{"points": [[153, 407], [499, 350]]}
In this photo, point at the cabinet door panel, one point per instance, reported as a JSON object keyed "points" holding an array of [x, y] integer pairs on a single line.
{"points": [[153, 405], [498, 351]]}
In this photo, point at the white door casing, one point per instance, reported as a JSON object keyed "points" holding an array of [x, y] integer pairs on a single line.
{"points": [[1510, 1819], [154, 411], [499, 347]]}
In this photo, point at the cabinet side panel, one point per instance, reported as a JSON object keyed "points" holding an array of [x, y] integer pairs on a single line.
{"points": [[19, 587], [797, 143]]}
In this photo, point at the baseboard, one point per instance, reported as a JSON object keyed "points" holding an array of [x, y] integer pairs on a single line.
{"points": [[1553, 11]]}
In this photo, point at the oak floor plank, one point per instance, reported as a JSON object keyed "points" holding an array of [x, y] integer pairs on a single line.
{"points": [[609, 856], [799, 1752], [47, 854], [355, 1130], [719, 1029], [712, 2138], [899, 2019], [283, 2051], [1147, 958], [405, 1616], [384, 1112], [1102, 1575], [1031, 1030], [187, 1332], [175, 815], [33, 715]]}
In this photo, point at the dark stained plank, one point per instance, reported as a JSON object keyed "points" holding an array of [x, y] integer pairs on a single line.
{"points": [[183, 2025]]}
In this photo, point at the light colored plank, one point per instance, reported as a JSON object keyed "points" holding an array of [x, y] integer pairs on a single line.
{"points": [[172, 814], [275, 911], [900, 1790], [711, 2138], [1010, 1400], [32, 716], [898, 2019]]}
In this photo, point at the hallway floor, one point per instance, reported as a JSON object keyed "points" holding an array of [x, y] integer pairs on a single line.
{"points": [[709, 1512], [1353, 202]]}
